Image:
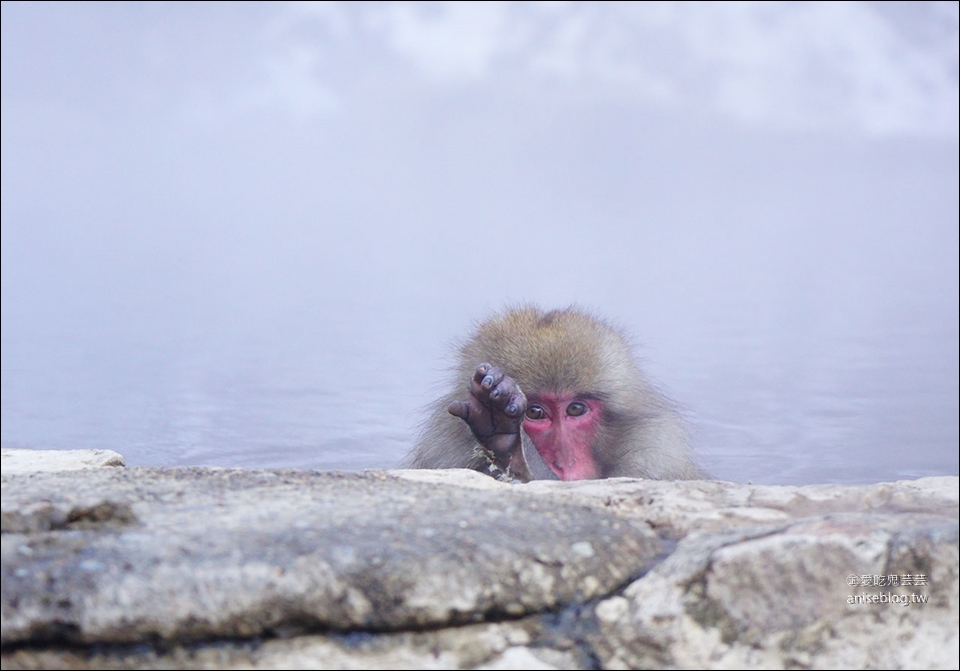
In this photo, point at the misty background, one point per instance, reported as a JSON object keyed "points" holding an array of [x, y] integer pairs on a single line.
{"points": [[252, 234]]}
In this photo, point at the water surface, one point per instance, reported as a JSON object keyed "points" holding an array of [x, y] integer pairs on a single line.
{"points": [[208, 262]]}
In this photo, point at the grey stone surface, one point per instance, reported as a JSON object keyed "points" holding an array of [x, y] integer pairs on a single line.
{"points": [[676, 509], [508, 645], [206, 568], [778, 597], [125, 555], [30, 461]]}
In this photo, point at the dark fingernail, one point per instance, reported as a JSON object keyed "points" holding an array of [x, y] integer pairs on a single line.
{"points": [[487, 382], [511, 409], [495, 393]]}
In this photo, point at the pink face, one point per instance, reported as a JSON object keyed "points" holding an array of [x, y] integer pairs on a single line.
{"points": [[563, 429]]}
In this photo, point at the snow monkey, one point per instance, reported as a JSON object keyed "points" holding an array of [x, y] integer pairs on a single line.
{"points": [[553, 394]]}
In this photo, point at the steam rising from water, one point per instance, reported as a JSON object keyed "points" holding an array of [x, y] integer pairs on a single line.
{"points": [[248, 235]]}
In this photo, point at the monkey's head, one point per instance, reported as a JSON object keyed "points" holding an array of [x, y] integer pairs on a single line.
{"points": [[580, 380]]}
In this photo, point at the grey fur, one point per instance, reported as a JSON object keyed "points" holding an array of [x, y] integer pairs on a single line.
{"points": [[566, 351]]}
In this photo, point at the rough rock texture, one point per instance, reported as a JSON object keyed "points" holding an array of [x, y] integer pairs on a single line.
{"points": [[31, 461], [676, 509], [779, 598], [126, 555], [212, 568]]}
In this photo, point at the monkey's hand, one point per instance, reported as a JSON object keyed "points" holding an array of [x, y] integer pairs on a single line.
{"points": [[494, 412]]}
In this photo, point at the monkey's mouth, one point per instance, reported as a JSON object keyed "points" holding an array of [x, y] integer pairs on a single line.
{"points": [[569, 462], [576, 472]]}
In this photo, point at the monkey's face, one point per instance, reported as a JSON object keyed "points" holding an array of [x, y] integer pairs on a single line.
{"points": [[563, 428]]}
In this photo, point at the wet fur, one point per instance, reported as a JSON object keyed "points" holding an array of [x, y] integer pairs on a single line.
{"points": [[564, 351]]}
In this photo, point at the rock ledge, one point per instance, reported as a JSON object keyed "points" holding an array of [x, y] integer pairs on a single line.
{"points": [[229, 568]]}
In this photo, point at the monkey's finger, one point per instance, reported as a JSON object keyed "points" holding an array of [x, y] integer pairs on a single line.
{"points": [[517, 405], [492, 379], [482, 387], [506, 393], [481, 372], [459, 409]]}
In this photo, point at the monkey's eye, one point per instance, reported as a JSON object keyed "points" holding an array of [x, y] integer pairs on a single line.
{"points": [[535, 412], [576, 409]]}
